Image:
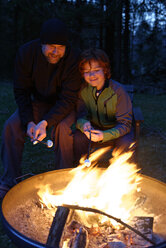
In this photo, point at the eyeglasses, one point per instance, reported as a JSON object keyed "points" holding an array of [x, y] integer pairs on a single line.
{"points": [[93, 71]]}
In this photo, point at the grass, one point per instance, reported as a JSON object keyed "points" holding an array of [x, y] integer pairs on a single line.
{"points": [[152, 144], [154, 110]]}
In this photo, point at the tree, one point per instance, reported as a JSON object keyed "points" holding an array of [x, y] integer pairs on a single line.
{"points": [[126, 43], [118, 41]]}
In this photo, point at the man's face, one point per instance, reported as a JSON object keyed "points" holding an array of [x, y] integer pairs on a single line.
{"points": [[53, 52]]}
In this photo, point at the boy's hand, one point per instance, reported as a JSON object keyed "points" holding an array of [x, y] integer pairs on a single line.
{"points": [[96, 135]]}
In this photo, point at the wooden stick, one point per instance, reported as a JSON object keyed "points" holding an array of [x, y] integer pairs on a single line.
{"points": [[57, 226], [111, 217]]}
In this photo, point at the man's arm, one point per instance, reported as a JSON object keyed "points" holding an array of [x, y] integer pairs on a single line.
{"points": [[23, 86], [68, 94]]}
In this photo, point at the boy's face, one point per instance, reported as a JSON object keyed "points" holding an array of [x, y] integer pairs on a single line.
{"points": [[53, 52], [93, 74]]}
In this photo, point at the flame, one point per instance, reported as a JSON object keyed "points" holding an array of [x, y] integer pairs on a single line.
{"points": [[110, 190]]}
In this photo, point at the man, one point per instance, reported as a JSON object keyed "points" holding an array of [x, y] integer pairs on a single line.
{"points": [[46, 83]]}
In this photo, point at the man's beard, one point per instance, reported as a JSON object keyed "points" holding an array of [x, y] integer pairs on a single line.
{"points": [[52, 59]]}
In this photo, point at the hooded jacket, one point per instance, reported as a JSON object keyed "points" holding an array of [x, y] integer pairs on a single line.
{"points": [[37, 80], [111, 111]]}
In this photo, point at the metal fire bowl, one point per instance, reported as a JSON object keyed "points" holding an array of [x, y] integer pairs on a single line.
{"points": [[153, 192]]}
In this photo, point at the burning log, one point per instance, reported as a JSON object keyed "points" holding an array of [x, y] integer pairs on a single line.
{"points": [[57, 227], [81, 240], [115, 245], [145, 226]]}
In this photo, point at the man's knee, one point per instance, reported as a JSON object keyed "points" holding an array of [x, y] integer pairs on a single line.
{"points": [[66, 124], [63, 126], [13, 127], [8, 127]]}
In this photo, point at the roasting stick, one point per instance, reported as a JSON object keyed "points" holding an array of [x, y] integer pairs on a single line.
{"points": [[87, 162], [93, 210]]}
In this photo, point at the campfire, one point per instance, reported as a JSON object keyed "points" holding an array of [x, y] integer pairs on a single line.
{"points": [[90, 207]]}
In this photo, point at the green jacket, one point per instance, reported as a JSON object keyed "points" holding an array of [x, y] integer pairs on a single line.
{"points": [[110, 112]]}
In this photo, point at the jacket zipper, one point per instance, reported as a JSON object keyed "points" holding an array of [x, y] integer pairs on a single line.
{"points": [[96, 100], [105, 102]]}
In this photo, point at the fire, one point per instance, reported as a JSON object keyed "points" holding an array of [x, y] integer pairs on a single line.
{"points": [[110, 190]]}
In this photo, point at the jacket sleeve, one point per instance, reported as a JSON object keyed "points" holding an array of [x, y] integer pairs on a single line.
{"points": [[23, 86], [123, 117], [67, 96]]}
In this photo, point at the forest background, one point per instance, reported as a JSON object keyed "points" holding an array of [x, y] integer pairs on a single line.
{"points": [[132, 32]]}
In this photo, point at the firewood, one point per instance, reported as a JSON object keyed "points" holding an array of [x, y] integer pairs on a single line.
{"points": [[57, 226], [81, 240], [145, 226]]}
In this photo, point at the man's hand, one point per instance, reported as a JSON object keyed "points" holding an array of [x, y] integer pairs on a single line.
{"points": [[31, 129], [40, 130], [37, 131], [96, 135]]}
